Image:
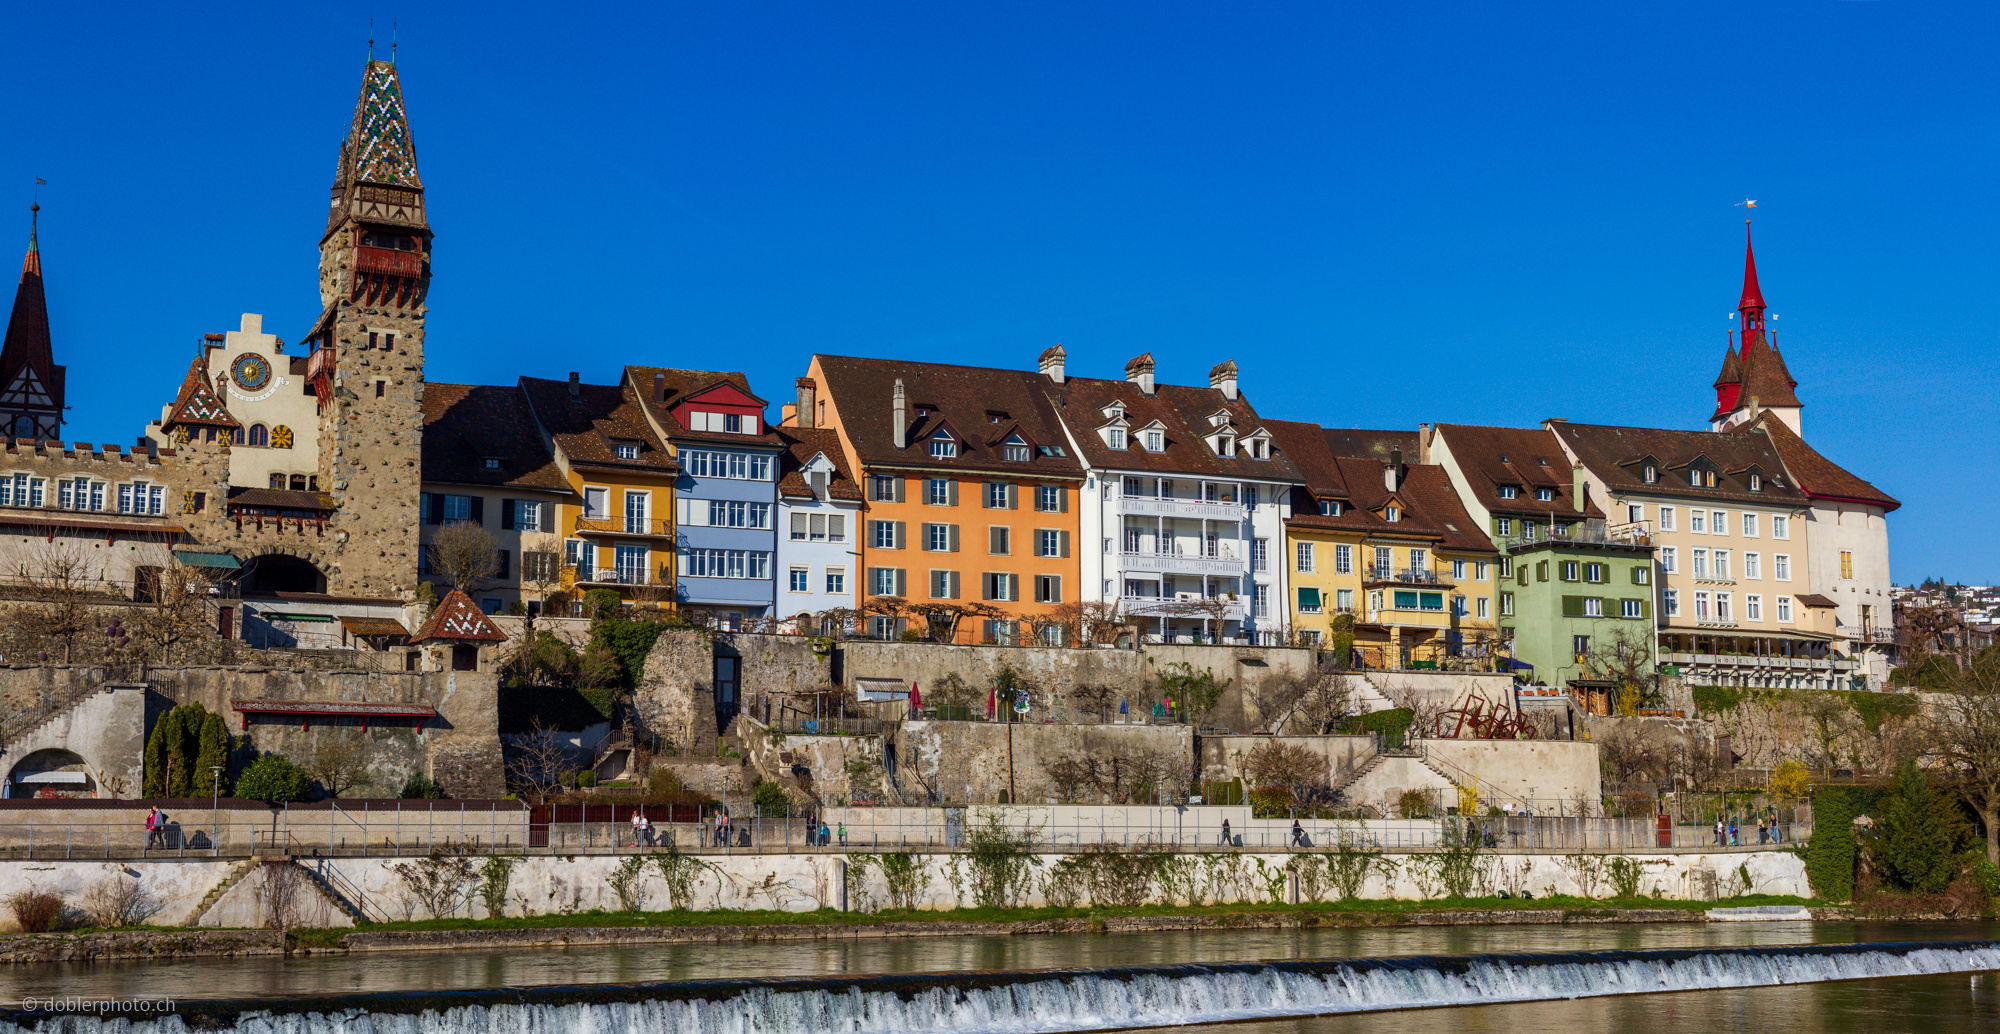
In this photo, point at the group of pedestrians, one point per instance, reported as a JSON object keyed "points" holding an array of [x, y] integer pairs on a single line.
{"points": [[1727, 834]]}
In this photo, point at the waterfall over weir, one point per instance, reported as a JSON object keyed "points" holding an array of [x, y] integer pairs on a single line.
{"points": [[1025, 1002]]}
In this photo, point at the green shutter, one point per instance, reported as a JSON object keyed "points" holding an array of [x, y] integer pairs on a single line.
{"points": [[1521, 574], [1541, 570], [1572, 606], [1645, 608]]}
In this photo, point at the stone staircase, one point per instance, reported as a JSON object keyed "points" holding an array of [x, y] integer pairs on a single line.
{"points": [[333, 895], [22, 721], [235, 876]]}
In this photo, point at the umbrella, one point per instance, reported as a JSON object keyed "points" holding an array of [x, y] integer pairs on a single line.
{"points": [[1122, 709], [916, 698]]}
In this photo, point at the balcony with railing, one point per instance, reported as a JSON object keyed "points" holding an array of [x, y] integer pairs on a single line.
{"points": [[1193, 509], [644, 527], [1634, 535], [633, 577], [1219, 561], [1184, 605], [1406, 576]]}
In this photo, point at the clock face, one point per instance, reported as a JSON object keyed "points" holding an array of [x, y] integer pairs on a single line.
{"points": [[251, 371]]}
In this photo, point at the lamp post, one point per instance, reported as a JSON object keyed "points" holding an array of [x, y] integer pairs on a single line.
{"points": [[214, 801]]}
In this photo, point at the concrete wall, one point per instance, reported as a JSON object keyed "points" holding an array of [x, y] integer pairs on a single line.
{"points": [[1547, 771], [971, 760], [1223, 757], [107, 729]]}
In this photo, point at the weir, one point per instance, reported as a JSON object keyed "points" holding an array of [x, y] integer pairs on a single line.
{"points": [[1046, 1000]]}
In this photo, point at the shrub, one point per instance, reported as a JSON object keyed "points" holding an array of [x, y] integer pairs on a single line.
{"points": [[38, 911], [586, 778], [1790, 779], [1417, 804], [273, 777], [1830, 852], [420, 788], [1623, 873], [1270, 802], [1393, 721], [770, 799], [601, 603], [1914, 835]]}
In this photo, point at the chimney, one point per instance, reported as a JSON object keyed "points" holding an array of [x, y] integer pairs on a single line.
{"points": [[1392, 475], [901, 432], [808, 402], [1223, 378], [1579, 491], [575, 385], [1140, 371], [1425, 432], [659, 386], [1052, 363]]}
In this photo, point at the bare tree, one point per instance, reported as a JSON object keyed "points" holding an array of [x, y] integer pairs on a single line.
{"points": [[1937, 628], [1091, 622], [179, 608], [464, 553], [1831, 722], [536, 762], [541, 564], [1963, 730], [1625, 658], [1300, 771], [1311, 703], [339, 760], [942, 617], [58, 574]]}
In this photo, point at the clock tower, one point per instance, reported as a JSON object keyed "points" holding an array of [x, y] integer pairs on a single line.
{"points": [[366, 364]]}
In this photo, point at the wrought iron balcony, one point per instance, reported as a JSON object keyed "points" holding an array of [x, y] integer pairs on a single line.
{"points": [[627, 526], [1221, 563], [1183, 605], [1406, 576], [1194, 509]]}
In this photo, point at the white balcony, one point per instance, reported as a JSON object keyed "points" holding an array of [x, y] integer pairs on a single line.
{"points": [[1183, 605], [1175, 563], [1191, 509]]}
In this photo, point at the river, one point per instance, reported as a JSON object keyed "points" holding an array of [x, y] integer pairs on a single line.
{"points": [[991, 983]]}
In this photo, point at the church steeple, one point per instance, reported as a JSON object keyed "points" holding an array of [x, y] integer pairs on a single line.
{"points": [[1753, 376], [31, 384]]}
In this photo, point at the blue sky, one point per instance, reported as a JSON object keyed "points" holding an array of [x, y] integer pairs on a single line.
{"points": [[1386, 213]]}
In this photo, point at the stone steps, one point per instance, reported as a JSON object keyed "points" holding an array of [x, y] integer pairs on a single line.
{"points": [[236, 874]]}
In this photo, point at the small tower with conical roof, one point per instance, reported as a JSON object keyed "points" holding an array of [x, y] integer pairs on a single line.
{"points": [[367, 348], [1754, 378], [31, 384]]}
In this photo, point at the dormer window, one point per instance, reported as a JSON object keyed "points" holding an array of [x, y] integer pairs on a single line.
{"points": [[1543, 495], [1507, 491], [1259, 449], [1156, 441], [1756, 482], [1701, 478], [1652, 474], [1225, 446], [1050, 450], [1114, 437], [1014, 450], [1393, 513], [943, 447], [1329, 508], [492, 464], [624, 451]]}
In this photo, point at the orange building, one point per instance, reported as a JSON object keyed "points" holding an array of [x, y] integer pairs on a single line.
{"points": [[970, 495]]}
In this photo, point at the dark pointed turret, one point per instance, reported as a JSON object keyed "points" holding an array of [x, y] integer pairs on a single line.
{"points": [[31, 384]]}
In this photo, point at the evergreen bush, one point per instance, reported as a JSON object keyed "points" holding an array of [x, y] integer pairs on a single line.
{"points": [[1830, 852], [274, 778]]}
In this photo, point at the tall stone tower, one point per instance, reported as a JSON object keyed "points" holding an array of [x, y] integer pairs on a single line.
{"points": [[367, 360]]}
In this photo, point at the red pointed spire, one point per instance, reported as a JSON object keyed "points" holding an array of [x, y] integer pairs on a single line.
{"points": [[1753, 296]]}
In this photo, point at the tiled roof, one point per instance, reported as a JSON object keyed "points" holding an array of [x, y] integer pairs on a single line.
{"points": [[980, 406], [1431, 509], [1305, 445], [380, 147], [1763, 374], [282, 498], [197, 402], [801, 445], [1374, 445], [1813, 599], [27, 342], [1524, 458], [1182, 412], [458, 618], [681, 384], [1616, 455], [466, 425], [1427, 489], [1818, 476], [585, 425]]}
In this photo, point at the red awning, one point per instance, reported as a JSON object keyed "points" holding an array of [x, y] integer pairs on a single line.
{"points": [[306, 709]]}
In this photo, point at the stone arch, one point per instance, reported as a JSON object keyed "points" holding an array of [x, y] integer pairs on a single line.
{"points": [[56, 769], [283, 569]]}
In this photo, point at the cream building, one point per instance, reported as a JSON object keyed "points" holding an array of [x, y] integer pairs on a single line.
{"points": [[268, 393]]}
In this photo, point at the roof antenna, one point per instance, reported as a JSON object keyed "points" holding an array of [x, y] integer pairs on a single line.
{"points": [[371, 39], [392, 43]]}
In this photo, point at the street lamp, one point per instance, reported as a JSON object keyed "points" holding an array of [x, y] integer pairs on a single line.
{"points": [[214, 799]]}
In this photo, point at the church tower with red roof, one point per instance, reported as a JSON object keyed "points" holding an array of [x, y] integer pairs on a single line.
{"points": [[1754, 378], [367, 348]]}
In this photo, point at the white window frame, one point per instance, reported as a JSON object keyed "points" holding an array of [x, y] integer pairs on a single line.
{"points": [[1304, 559], [1667, 518]]}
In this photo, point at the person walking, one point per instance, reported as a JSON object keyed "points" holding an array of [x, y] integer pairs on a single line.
{"points": [[156, 828], [1225, 833], [825, 838], [1733, 841], [842, 833], [1718, 831], [1298, 834], [638, 822]]}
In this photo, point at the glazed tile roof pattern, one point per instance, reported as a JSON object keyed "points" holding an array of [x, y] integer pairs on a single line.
{"points": [[1616, 455], [801, 445], [1818, 476], [380, 147], [1182, 412], [458, 618], [465, 425], [681, 384], [197, 402], [980, 407], [28, 343], [1519, 457], [586, 425]]}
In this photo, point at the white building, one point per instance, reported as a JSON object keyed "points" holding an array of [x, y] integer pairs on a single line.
{"points": [[267, 391], [1183, 506], [819, 522]]}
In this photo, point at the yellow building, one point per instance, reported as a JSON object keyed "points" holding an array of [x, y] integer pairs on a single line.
{"points": [[618, 531], [1388, 542]]}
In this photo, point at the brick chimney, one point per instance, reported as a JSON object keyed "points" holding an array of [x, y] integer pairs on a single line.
{"points": [[1140, 371], [575, 385], [1223, 378], [1579, 490], [1052, 363], [1392, 475], [808, 402], [659, 387], [900, 407]]}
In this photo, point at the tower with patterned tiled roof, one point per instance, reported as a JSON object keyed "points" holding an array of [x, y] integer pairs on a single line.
{"points": [[31, 384], [1754, 378], [367, 361]]}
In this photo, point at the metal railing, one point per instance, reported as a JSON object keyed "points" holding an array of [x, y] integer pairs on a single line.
{"points": [[625, 526], [1405, 576]]}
